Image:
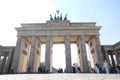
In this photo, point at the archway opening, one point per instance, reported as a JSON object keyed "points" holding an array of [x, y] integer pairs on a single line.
{"points": [[58, 56], [74, 54], [42, 57], [89, 56]]}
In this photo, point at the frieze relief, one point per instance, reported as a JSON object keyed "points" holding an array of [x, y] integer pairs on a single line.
{"points": [[58, 32]]}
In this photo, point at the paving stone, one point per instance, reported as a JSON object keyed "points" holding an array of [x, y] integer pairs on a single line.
{"points": [[60, 77]]}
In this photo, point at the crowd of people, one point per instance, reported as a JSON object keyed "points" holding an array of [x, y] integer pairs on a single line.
{"points": [[76, 68], [60, 70], [105, 68]]}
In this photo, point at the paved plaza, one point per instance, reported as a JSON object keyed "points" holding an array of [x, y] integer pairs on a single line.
{"points": [[60, 76]]}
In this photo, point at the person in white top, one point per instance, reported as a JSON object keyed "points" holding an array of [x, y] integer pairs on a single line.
{"points": [[106, 66]]}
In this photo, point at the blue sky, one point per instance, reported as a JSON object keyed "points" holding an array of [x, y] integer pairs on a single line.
{"points": [[105, 13]]}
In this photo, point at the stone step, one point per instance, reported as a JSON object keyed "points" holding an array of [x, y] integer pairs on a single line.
{"points": [[64, 76]]}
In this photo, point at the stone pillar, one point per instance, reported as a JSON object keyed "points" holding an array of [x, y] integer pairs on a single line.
{"points": [[83, 55], [37, 56], [98, 53], [0, 63], [3, 64], [17, 52], [0, 54], [7, 69], [48, 62], [112, 59], [23, 57], [107, 56], [117, 57], [68, 54], [40, 53], [32, 54], [0, 58], [78, 53]]}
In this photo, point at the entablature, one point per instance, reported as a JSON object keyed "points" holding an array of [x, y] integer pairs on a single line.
{"points": [[58, 32], [58, 27]]}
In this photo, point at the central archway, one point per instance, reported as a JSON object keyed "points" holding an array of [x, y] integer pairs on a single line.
{"points": [[58, 60]]}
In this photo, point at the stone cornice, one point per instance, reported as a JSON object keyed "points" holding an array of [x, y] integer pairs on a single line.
{"points": [[58, 23], [58, 28], [58, 32]]}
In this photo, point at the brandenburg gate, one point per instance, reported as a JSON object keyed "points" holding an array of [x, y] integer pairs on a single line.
{"points": [[31, 36]]}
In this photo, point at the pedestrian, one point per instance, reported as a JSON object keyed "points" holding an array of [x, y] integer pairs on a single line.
{"points": [[39, 69], [97, 68], [12, 71], [106, 66], [29, 69]]}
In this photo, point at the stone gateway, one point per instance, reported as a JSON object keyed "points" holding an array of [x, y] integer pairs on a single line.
{"points": [[26, 54]]}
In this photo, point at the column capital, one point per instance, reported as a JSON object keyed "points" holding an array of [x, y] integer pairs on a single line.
{"points": [[19, 36], [67, 38], [82, 36], [96, 35], [33, 36]]}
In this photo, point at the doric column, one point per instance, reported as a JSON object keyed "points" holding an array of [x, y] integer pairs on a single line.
{"points": [[3, 65], [112, 59], [83, 55], [107, 56], [117, 57], [48, 60], [17, 52], [98, 53], [0, 58], [37, 56], [78, 53], [0, 54], [32, 54], [7, 69], [0, 65], [40, 53], [68, 54]]}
